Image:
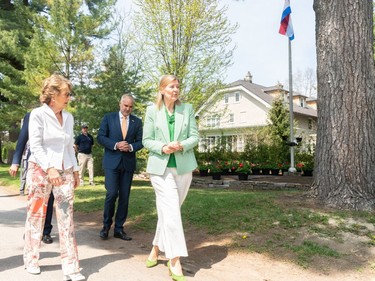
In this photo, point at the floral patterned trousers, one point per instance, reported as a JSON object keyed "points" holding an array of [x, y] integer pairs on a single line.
{"points": [[39, 190]]}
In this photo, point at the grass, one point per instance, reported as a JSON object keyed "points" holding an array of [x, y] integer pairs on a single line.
{"points": [[257, 221]]}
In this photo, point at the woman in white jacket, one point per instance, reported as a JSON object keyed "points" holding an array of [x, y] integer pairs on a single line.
{"points": [[52, 168]]}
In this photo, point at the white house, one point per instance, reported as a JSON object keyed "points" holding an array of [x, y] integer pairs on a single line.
{"points": [[242, 105]]}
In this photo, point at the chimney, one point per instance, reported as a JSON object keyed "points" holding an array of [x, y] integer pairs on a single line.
{"points": [[249, 77]]}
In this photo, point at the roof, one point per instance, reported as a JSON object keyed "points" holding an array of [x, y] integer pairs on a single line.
{"points": [[260, 92]]}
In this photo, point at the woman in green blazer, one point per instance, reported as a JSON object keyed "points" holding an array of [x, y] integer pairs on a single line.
{"points": [[170, 134]]}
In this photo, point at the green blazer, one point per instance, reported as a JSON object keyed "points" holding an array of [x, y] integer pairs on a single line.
{"points": [[156, 135]]}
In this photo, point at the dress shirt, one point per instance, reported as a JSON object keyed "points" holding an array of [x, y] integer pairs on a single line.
{"points": [[127, 126], [52, 144]]}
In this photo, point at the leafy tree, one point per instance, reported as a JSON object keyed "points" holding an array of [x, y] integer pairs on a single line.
{"points": [[118, 74], [279, 127], [278, 119], [66, 37], [187, 38], [345, 149], [15, 95]]}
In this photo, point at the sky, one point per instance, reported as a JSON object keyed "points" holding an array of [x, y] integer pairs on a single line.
{"points": [[260, 48]]}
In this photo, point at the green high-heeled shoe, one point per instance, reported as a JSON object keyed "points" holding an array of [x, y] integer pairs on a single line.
{"points": [[150, 263], [174, 276]]}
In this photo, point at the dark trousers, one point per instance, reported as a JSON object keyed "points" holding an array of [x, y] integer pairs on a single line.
{"points": [[23, 174], [48, 222], [117, 183]]}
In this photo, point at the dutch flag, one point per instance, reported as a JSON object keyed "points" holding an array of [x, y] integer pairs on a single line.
{"points": [[286, 27]]}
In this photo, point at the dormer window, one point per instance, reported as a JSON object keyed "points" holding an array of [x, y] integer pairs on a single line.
{"points": [[302, 102]]}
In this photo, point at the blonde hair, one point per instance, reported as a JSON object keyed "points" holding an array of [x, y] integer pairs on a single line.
{"points": [[163, 82], [52, 86]]}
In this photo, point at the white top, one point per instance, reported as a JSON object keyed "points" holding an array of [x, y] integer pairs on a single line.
{"points": [[52, 144]]}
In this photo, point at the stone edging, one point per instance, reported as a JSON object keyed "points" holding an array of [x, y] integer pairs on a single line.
{"points": [[251, 185]]}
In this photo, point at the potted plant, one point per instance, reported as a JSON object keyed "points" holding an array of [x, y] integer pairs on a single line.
{"points": [[307, 168], [203, 167], [215, 169], [255, 168], [225, 167], [266, 168], [243, 170]]}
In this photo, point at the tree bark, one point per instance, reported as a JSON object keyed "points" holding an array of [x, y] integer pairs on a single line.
{"points": [[345, 151]]}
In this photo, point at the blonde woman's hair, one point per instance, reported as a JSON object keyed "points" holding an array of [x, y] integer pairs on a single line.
{"points": [[52, 86], [163, 82]]}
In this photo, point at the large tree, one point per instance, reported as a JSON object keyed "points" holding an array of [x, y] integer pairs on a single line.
{"points": [[15, 95], [188, 38], [345, 150], [67, 31]]}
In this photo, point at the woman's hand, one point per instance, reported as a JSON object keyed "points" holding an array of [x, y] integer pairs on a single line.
{"points": [[172, 147], [54, 177]]}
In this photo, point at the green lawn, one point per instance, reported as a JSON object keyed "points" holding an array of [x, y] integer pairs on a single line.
{"points": [[271, 222]]}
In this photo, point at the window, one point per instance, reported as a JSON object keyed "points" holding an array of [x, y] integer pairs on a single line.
{"points": [[213, 121], [231, 118], [226, 98], [237, 96]]}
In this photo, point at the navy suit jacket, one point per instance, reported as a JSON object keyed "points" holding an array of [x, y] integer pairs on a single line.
{"points": [[22, 140], [110, 133]]}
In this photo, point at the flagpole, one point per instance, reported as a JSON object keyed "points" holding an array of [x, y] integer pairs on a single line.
{"points": [[292, 169]]}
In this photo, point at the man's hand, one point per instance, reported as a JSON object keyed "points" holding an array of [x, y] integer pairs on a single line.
{"points": [[123, 146], [13, 170]]}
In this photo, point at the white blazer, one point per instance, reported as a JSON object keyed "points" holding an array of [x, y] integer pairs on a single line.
{"points": [[52, 144]]}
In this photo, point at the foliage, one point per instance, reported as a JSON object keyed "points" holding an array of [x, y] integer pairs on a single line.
{"points": [[305, 161], [188, 38], [278, 119], [66, 37], [15, 35], [203, 165], [215, 166], [243, 167], [279, 127]]}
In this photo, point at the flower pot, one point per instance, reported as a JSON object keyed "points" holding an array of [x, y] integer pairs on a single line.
{"points": [[225, 171], [216, 175], [242, 176], [275, 172], [266, 172], [203, 173], [307, 173], [255, 171]]}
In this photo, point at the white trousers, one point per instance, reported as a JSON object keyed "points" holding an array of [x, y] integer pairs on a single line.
{"points": [[170, 190]]}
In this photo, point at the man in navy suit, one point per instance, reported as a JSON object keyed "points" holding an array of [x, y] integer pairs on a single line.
{"points": [[22, 153], [121, 135]]}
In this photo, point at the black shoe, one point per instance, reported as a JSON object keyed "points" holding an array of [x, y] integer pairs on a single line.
{"points": [[122, 235], [22, 192], [104, 233], [47, 239]]}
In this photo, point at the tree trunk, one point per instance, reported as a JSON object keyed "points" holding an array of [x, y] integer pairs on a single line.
{"points": [[345, 151]]}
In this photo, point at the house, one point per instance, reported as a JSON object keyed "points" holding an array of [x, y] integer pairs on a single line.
{"points": [[243, 105]]}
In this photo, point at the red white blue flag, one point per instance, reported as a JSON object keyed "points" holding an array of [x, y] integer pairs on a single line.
{"points": [[286, 27]]}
